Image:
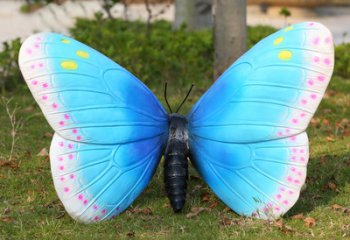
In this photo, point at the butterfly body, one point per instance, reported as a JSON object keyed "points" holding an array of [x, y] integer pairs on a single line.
{"points": [[175, 161]]}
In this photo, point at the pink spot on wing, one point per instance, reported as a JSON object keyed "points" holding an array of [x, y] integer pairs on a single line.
{"points": [[61, 123], [328, 40], [277, 209], [320, 78], [294, 120], [302, 151], [61, 168], [29, 51], [287, 130], [316, 41], [70, 146], [35, 82], [293, 158], [62, 178], [265, 209], [285, 202], [85, 202], [54, 105], [294, 150], [310, 82], [290, 192], [41, 65], [96, 218], [32, 66], [38, 38], [280, 134], [269, 205], [278, 196], [45, 85], [36, 45], [80, 197], [66, 116], [316, 59], [293, 169], [70, 156], [302, 159], [71, 176], [75, 131], [303, 101], [60, 159], [296, 181], [44, 97], [289, 179], [95, 207], [311, 24], [327, 61], [293, 138], [104, 211], [61, 144], [300, 174], [66, 189], [282, 189], [313, 96], [78, 138], [302, 115]]}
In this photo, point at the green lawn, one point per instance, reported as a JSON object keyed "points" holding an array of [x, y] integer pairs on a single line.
{"points": [[30, 209]]}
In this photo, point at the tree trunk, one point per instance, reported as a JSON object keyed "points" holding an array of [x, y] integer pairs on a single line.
{"points": [[196, 14], [230, 32]]}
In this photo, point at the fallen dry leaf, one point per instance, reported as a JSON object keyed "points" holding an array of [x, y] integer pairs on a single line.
{"points": [[7, 219], [205, 197], [337, 207], [330, 139], [9, 164], [147, 211], [225, 221], [48, 135], [298, 216], [195, 211], [332, 186], [43, 153], [310, 222], [213, 205]]}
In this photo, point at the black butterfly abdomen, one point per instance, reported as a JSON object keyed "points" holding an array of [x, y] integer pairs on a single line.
{"points": [[175, 162]]}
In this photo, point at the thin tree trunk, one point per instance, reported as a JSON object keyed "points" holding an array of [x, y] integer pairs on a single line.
{"points": [[196, 14], [230, 33]]}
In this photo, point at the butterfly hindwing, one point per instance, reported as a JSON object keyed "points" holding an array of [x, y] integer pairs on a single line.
{"points": [[110, 128], [247, 131]]}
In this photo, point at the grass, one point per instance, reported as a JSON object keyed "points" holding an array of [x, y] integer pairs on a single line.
{"points": [[30, 209]]}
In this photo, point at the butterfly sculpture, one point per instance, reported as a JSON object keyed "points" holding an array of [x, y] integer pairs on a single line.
{"points": [[245, 136]]}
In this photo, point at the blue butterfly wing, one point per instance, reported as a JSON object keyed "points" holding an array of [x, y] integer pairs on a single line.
{"points": [[110, 128], [247, 131]]}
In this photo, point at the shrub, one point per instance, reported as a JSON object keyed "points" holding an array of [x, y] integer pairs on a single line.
{"points": [[161, 54], [10, 76], [342, 60]]}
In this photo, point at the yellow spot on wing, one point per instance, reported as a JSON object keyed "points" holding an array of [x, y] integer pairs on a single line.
{"points": [[82, 54], [278, 40], [69, 65], [289, 28], [285, 55], [66, 41]]}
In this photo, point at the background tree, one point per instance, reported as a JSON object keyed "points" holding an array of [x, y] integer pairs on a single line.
{"points": [[196, 14], [230, 33]]}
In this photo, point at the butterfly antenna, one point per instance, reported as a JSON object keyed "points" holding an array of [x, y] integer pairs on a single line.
{"points": [[166, 100], [184, 99]]}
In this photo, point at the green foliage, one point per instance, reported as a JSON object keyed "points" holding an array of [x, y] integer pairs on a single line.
{"points": [[161, 54], [179, 57], [342, 60], [10, 76], [285, 12], [256, 33]]}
